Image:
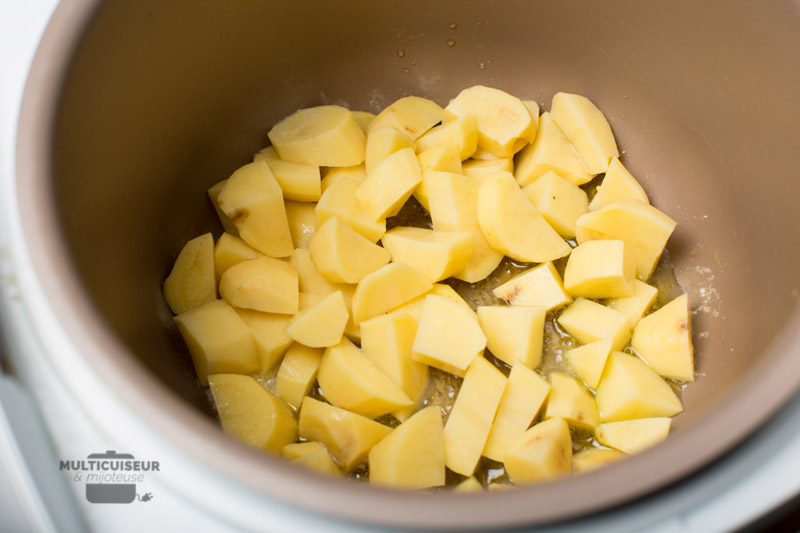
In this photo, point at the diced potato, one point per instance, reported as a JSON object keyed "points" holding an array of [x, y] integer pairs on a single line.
{"points": [[298, 181], [309, 278], [587, 129], [348, 436], [414, 307], [664, 340], [630, 389], [448, 336], [386, 288], [512, 225], [319, 461], [349, 380], [321, 324], [191, 283], [266, 154], [600, 269], [540, 286], [475, 168], [470, 420], [264, 284], [461, 133], [213, 195], [342, 255], [590, 321], [411, 456], [549, 151], [514, 333], [296, 450], [618, 184], [251, 413], [269, 334], [633, 436], [471, 484], [338, 200], [559, 201], [543, 452], [307, 300], [594, 458], [389, 184], [436, 254], [482, 154], [326, 135], [522, 399], [444, 157], [356, 173], [253, 201], [229, 251], [363, 119], [636, 305], [589, 360], [297, 373], [571, 401], [382, 142], [533, 108], [412, 115], [300, 216], [644, 229], [504, 123], [218, 341]]}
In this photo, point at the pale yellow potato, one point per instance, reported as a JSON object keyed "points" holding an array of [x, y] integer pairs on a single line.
{"points": [[663, 339], [523, 397], [300, 216], [296, 450], [307, 300], [541, 453], [298, 181], [482, 154], [297, 373], [461, 133], [333, 174], [470, 420], [264, 284], [266, 154], [383, 142], [559, 201], [339, 201], [213, 195], [630, 389], [253, 201], [590, 321], [310, 280], [319, 461], [387, 288], [512, 225], [633, 436], [412, 115], [478, 169], [251, 413], [349, 380], [589, 360], [504, 123], [363, 119], [587, 129], [550, 151], [389, 185], [514, 334], [533, 108], [635, 305], [448, 336], [321, 324], [269, 334], [412, 456], [349, 437], [618, 184], [218, 341], [414, 307], [342, 255], [230, 250], [191, 282], [471, 484], [442, 158], [644, 229], [436, 254], [570, 401], [540, 286], [326, 135], [594, 458], [600, 269]]}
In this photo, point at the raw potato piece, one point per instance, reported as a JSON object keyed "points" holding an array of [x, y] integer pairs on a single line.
{"points": [[618, 184], [514, 334], [319, 461], [266, 154], [549, 151], [543, 452], [480, 169], [594, 458], [461, 133], [218, 341], [560, 202], [448, 336], [264, 284], [363, 118], [386, 288], [411, 114], [338, 200], [230, 251], [504, 123], [411, 456], [600, 269], [269, 334], [589, 360], [571, 401], [539, 286], [296, 450], [253, 201], [341, 255], [445, 157], [348, 436], [512, 225], [251, 413], [471, 484], [322, 324], [589, 321], [298, 181], [636, 305], [633, 436], [414, 307], [587, 130], [351, 381], [213, 195], [326, 136], [389, 185], [357, 173], [664, 340], [300, 216], [436, 254], [470, 420], [191, 283], [297, 373], [383, 142]]}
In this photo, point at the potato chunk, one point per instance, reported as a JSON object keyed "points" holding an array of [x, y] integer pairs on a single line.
{"points": [[514, 333], [559, 201], [264, 284], [600, 269], [587, 129], [589, 360], [386, 288], [461, 133], [229, 251], [412, 115], [618, 184], [383, 142], [300, 216], [191, 283], [338, 200], [478, 169], [594, 458], [635, 305], [436, 254], [251, 413], [269, 334], [571, 401], [213, 195], [319, 461], [550, 151], [540, 286], [633, 436], [298, 181], [321, 324], [543, 452], [589, 321], [344, 256], [363, 118], [413, 308], [389, 184], [297, 373], [664, 340], [357, 173]]}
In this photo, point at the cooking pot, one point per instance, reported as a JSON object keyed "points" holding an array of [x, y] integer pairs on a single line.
{"points": [[133, 109]]}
